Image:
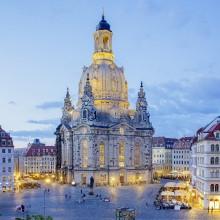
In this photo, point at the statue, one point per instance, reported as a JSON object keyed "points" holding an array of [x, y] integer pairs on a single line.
{"points": [[91, 186], [91, 182]]}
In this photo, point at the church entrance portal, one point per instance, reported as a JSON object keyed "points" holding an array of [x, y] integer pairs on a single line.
{"points": [[122, 179]]}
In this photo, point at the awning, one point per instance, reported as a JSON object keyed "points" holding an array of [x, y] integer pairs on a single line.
{"points": [[170, 184], [181, 185], [180, 193], [167, 193]]}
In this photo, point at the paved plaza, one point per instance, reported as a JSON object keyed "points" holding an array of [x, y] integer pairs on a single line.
{"points": [[62, 203]]}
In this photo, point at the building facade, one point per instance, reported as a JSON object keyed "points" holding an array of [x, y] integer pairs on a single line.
{"points": [[6, 162], [206, 176], [162, 156], [40, 158], [101, 137], [181, 154]]}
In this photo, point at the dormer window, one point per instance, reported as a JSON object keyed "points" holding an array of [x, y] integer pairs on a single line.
{"points": [[217, 134]]}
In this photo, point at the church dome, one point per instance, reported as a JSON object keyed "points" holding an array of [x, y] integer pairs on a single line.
{"points": [[107, 81], [103, 25]]}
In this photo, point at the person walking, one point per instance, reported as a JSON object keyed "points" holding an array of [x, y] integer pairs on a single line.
{"points": [[208, 209], [22, 208], [212, 209], [146, 204]]}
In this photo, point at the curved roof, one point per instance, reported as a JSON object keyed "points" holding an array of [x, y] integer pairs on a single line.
{"points": [[103, 25]]}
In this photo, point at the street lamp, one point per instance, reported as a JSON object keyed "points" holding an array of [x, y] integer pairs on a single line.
{"points": [[193, 194]]}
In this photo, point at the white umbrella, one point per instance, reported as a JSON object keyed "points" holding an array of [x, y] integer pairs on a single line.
{"points": [[181, 185], [170, 185], [167, 193]]}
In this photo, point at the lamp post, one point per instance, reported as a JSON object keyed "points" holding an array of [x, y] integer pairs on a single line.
{"points": [[193, 194]]}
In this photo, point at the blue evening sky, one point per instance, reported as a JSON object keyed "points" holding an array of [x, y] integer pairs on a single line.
{"points": [[172, 46]]}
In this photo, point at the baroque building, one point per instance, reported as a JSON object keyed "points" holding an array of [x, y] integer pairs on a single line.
{"points": [[6, 162], [206, 165], [100, 136]]}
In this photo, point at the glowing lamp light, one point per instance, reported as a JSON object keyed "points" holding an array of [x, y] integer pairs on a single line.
{"points": [[47, 180]]}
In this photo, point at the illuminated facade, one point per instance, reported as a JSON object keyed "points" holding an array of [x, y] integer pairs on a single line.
{"points": [[101, 136], [6, 162], [206, 165]]}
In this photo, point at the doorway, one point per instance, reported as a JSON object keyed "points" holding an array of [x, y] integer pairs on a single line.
{"points": [[122, 178]]}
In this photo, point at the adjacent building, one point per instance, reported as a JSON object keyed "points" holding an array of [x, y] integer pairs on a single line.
{"points": [[181, 154], [40, 158], [206, 165], [162, 156], [101, 137], [6, 162]]}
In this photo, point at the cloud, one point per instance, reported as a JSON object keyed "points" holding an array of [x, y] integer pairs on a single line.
{"points": [[182, 107], [12, 103], [49, 105], [32, 134], [44, 122]]}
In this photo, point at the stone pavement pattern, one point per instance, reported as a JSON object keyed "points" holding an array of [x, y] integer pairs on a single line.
{"points": [[62, 208]]}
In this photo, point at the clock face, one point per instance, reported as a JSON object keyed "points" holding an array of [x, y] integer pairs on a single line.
{"points": [[84, 130]]}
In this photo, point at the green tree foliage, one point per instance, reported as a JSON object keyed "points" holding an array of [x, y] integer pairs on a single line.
{"points": [[35, 217]]}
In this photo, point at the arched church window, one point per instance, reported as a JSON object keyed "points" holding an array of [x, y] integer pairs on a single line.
{"points": [[96, 43], [106, 42], [137, 154], [84, 145], [102, 154], [121, 159]]}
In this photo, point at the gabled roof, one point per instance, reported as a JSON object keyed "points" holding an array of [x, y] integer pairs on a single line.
{"points": [[211, 135], [40, 151], [5, 136]]}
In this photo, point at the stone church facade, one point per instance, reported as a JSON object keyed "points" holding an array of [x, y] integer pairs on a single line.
{"points": [[100, 136]]}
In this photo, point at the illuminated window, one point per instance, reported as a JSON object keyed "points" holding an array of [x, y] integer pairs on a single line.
{"points": [[121, 148], [138, 176], [121, 164], [102, 154], [105, 42], [102, 161], [84, 153], [9, 178], [121, 130], [102, 149], [136, 161], [4, 178]]}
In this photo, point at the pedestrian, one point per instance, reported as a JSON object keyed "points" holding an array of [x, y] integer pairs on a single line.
{"points": [[146, 204], [81, 191], [65, 195], [208, 209], [48, 190], [212, 209], [22, 208]]}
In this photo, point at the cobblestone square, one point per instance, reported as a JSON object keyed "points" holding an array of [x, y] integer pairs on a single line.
{"points": [[62, 203]]}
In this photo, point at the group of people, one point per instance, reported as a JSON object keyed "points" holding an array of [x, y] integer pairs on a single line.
{"points": [[20, 208], [211, 209]]}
